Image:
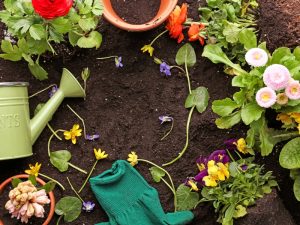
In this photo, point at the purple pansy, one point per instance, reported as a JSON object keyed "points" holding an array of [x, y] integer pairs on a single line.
{"points": [[244, 167], [118, 62], [53, 91], [88, 206], [219, 156], [230, 144], [164, 119], [202, 162], [165, 68], [199, 177], [92, 137]]}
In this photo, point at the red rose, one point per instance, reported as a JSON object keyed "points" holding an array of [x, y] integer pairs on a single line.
{"points": [[50, 9]]}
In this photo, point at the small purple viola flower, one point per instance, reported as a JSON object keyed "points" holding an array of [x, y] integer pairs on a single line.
{"points": [[199, 177], [88, 206], [118, 62], [53, 91], [164, 119], [165, 68], [244, 167], [202, 162], [92, 137], [230, 144], [219, 156]]}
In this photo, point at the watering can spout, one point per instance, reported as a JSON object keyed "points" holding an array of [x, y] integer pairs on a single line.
{"points": [[69, 88]]}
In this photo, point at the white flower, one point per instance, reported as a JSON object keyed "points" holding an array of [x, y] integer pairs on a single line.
{"points": [[266, 97], [276, 77], [256, 57], [293, 90]]}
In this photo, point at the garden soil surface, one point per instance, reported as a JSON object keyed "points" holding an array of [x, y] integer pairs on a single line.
{"points": [[123, 106]]}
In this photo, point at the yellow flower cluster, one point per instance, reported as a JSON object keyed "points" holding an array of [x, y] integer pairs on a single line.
{"points": [[289, 118], [242, 147], [73, 133], [216, 172]]}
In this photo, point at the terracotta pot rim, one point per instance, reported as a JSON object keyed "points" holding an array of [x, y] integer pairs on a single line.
{"points": [[51, 195], [165, 9]]}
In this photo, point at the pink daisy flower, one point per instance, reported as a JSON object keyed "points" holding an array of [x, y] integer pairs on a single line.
{"points": [[276, 77], [266, 97], [293, 90], [256, 57]]}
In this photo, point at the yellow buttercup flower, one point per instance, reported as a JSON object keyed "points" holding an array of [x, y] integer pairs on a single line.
{"points": [[73, 133], [133, 158], [34, 170], [210, 181], [148, 48], [100, 154]]}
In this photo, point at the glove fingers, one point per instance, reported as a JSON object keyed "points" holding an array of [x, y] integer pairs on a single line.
{"points": [[103, 223], [180, 218]]}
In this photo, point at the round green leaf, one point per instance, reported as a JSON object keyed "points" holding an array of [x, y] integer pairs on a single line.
{"points": [[186, 199], [199, 98], [60, 159], [251, 112], [94, 40], [186, 54], [224, 107], [289, 157], [70, 207], [157, 173]]}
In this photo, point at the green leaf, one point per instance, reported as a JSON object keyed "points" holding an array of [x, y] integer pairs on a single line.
{"points": [[186, 199], [294, 173], [240, 211], [15, 182], [61, 25], [98, 8], [248, 38], [38, 71], [227, 122], [157, 173], [296, 53], [296, 188], [12, 53], [60, 159], [231, 32], [251, 112], [87, 24], [224, 107], [69, 207], [186, 54], [37, 32], [199, 98], [279, 54], [229, 214], [93, 40], [216, 55], [73, 38], [49, 186], [289, 157]]}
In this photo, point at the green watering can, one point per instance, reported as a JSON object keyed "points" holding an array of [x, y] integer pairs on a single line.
{"points": [[17, 132]]}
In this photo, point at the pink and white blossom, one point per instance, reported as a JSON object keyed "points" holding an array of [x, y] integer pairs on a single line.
{"points": [[266, 97], [256, 57], [276, 77], [293, 90]]}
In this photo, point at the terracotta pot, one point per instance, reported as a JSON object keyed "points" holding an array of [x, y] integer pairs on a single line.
{"points": [[166, 7], [40, 181]]}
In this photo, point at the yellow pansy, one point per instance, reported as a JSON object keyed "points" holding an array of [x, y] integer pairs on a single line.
{"points": [[133, 158], [284, 118], [210, 181], [148, 48], [212, 169], [73, 133], [34, 170], [193, 185], [223, 172], [242, 146], [100, 154], [201, 166], [295, 116]]}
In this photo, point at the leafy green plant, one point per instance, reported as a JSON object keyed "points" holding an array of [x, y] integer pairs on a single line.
{"points": [[68, 208], [31, 35], [230, 25]]}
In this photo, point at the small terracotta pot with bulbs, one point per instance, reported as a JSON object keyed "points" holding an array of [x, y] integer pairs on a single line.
{"points": [[165, 9]]}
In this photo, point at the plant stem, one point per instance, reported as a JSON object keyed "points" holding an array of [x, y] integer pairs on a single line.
{"points": [[169, 176], [53, 132], [108, 57], [88, 177], [167, 134], [77, 168], [186, 141], [49, 178], [82, 120], [187, 75], [41, 91], [74, 190], [178, 67], [49, 140], [59, 218], [287, 135], [162, 33]]}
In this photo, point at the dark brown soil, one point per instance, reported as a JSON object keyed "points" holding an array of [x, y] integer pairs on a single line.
{"points": [[123, 105], [136, 11], [279, 23]]}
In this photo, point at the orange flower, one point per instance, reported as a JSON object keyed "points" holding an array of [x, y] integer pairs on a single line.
{"points": [[194, 32], [175, 21]]}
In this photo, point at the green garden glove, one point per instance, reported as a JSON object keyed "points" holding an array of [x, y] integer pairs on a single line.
{"points": [[129, 200]]}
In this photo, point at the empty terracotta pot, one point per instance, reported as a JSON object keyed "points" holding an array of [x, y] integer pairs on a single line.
{"points": [[40, 181], [166, 7]]}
